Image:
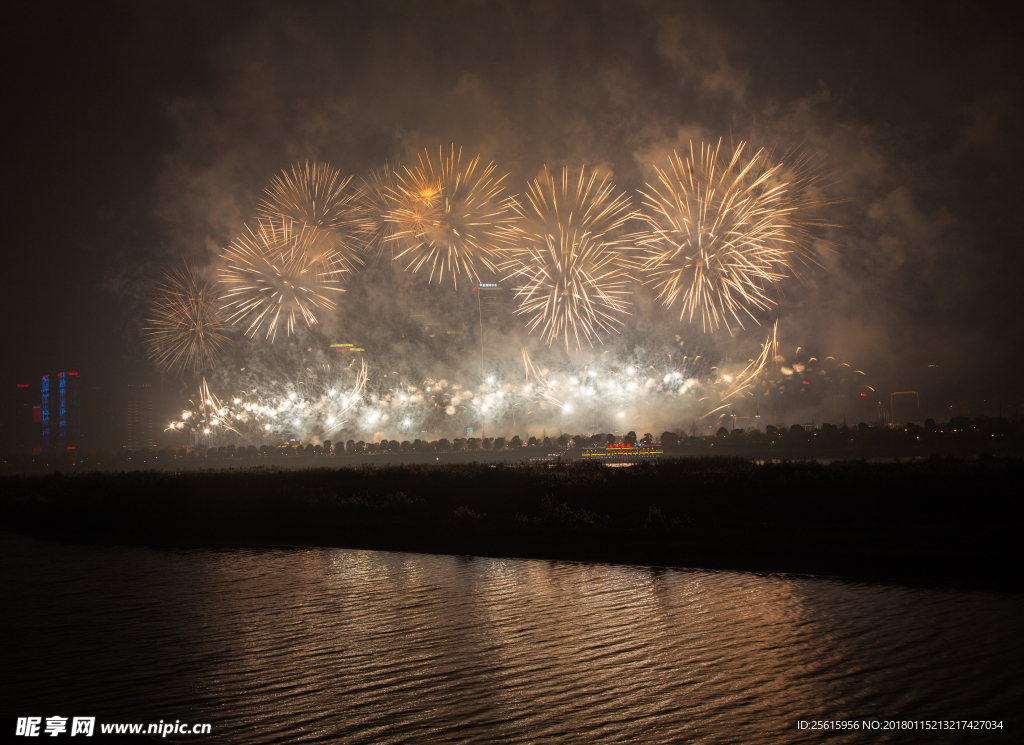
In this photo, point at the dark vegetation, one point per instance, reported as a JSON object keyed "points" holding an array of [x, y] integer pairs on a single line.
{"points": [[960, 436], [938, 520]]}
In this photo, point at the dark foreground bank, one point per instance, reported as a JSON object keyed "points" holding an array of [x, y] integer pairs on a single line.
{"points": [[942, 520]]}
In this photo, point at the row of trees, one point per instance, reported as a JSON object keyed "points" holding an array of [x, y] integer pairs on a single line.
{"points": [[796, 438], [443, 445]]}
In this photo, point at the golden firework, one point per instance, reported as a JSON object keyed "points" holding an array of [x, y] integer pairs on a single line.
{"points": [[452, 218], [571, 262], [722, 232], [185, 330], [276, 274], [314, 199]]}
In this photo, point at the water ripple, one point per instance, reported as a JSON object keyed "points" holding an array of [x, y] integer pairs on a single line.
{"points": [[361, 646]]}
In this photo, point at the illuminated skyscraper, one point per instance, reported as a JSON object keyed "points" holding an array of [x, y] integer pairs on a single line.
{"points": [[44, 441], [60, 407], [69, 411]]}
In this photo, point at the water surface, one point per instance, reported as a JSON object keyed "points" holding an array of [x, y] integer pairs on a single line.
{"points": [[365, 646]]}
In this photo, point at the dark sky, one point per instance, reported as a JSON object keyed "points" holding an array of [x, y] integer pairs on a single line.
{"points": [[136, 133]]}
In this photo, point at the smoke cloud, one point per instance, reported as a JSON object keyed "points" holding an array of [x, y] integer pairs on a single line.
{"points": [[617, 87]]}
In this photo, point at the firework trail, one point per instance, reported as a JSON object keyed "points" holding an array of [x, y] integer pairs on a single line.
{"points": [[723, 230], [276, 274], [799, 383], [186, 330], [570, 266], [746, 378], [346, 403], [452, 218], [540, 377], [205, 416]]}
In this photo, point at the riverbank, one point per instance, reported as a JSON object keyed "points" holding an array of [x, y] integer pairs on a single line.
{"points": [[942, 521]]}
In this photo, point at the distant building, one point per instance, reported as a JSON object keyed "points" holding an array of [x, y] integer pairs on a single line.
{"points": [[69, 411], [492, 301], [138, 416], [44, 408], [59, 413]]}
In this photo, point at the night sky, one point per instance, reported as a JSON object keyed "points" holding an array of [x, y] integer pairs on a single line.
{"points": [[138, 133]]}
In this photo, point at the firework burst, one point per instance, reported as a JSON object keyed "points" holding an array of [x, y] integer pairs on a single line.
{"points": [[186, 330], [570, 267], [722, 231], [452, 219], [377, 197], [314, 199], [277, 274], [312, 194]]}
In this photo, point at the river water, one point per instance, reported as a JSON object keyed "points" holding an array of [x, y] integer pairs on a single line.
{"points": [[296, 645]]}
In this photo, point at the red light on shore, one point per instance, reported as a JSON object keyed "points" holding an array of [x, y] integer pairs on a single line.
{"points": [[22, 385], [807, 382], [864, 395]]}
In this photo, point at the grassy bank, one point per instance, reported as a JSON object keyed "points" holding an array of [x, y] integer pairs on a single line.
{"points": [[940, 520]]}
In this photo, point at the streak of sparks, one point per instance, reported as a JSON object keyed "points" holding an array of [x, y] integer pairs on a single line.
{"points": [[349, 401], [751, 373], [205, 415]]}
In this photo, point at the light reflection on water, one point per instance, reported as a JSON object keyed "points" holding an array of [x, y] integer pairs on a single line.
{"points": [[364, 646]]}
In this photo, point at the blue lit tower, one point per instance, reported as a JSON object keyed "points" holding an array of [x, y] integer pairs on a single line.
{"points": [[45, 412], [69, 410], [62, 384]]}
